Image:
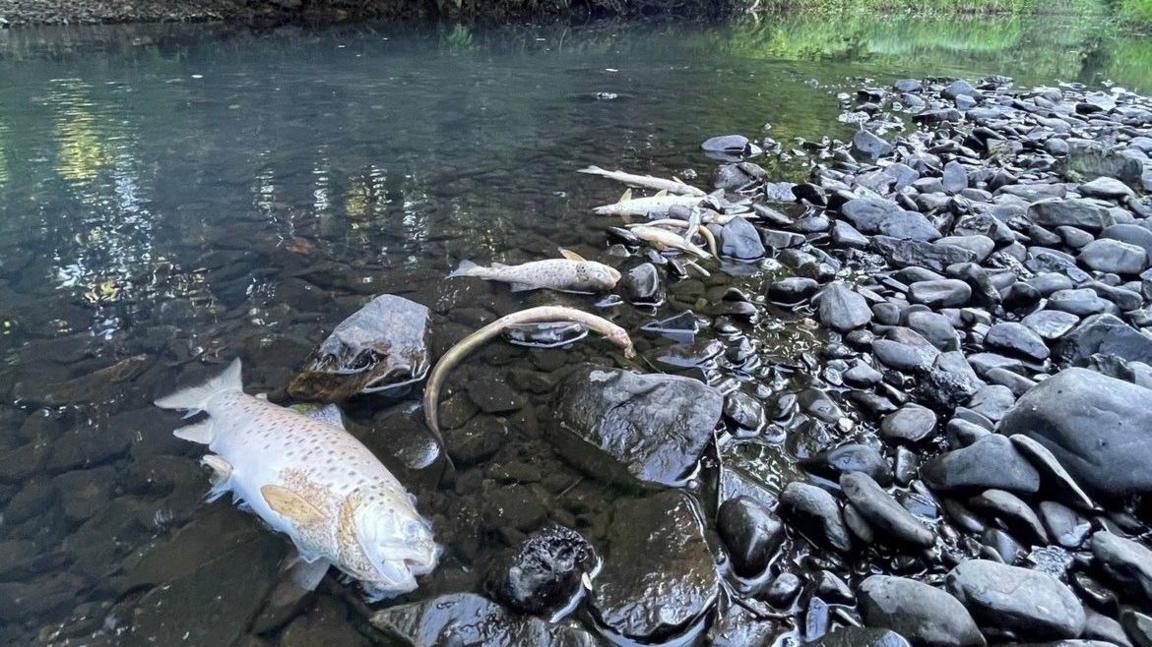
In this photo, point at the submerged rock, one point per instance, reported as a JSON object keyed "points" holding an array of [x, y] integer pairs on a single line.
{"points": [[543, 573], [622, 426], [658, 576], [470, 619], [1099, 428], [383, 345], [750, 532]]}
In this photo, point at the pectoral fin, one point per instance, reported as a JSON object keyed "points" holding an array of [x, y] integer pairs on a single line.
{"points": [[571, 255], [288, 504], [626, 196], [307, 575]]}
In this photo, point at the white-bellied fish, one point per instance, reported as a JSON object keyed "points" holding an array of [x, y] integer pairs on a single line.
{"points": [[653, 207], [645, 181], [569, 274], [308, 478], [662, 239]]}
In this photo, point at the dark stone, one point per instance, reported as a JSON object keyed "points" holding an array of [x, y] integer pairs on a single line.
{"points": [[1017, 339], [991, 402], [936, 328], [905, 349], [815, 513], [1131, 234], [1125, 561], [382, 346], [1074, 212], [740, 239], [1138, 626], [543, 573], [842, 309], [878, 216], [950, 381], [658, 576], [924, 614], [1014, 514], [652, 427], [642, 285], [1107, 255], [909, 424], [916, 253], [1082, 302], [955, 178], [493, 395], [860, 637], [1104, 334], [1052, 473], [1030, 603], [1050, 324], [751, 533], [991, 462], [940, 294], [469, 619], [869, 147], [744, 410], [1067, 528], [793, 289], [882, 512], [845, 459], [1097, 427]]}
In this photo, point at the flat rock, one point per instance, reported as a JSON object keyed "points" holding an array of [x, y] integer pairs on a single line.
{"points": [[917, 253], [1107, 255], [1074, 212], [909, 424], [470, 619], [1125, 561], [1016, 338], [924, 614], [1099, 428], [653, 428], [1030, 603], [1104, 334], [943, 293], [990, 462], [883, 513]]}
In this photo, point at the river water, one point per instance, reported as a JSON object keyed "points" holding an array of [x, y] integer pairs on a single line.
{"points": [[175, 196]]}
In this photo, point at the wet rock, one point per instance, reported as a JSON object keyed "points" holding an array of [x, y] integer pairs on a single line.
{"points": [[936, 328], [852, 457], [816, 514], [950, 381], [893, 523], [924, 614], [382, 346], [326, 623], [1012, 513], [737, 626], [782, 590], [642, 285], [1035, 605], [543, 573], [1089, 160], [1081, 302], [878, 216], [1131, 234], [469, 619], [1138, 626], [1094, 425], [740, 239], [991, 402], [659, 575], [492, 395], [750, 532], [940, 294], [909, 424], [842, 309], [916, 253], [614, 423], [744, 410], [1125, 561], [793, 289], [726, 147], [1106, 255], [1052, 473], [476, 441], [1074, 212], [905, 349], [1104, 334], [223, 613], [991, 462], [1050, 324], [1016, 339], [86, 445], [1065, 526]]}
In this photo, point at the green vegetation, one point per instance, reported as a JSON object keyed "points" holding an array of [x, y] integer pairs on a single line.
{"points": [[1138, 11], [923, 7]]}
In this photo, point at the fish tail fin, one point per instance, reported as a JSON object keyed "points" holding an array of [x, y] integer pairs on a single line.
{"points": [[592, 170], [466, 268], [200, 432], [195, 397]]}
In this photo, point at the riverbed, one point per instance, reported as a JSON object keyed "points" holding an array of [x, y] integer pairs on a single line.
{"points": [[172, 197]]}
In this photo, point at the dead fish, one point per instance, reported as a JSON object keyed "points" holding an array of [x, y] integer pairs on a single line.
{"points": [[652, 207], [457, 353], [307, 477], [663, 239], [705, 232], [674, 185], [572, 273]]}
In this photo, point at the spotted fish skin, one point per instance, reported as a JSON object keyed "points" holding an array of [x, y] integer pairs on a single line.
{"points": [[554, 274], [313, 481]]}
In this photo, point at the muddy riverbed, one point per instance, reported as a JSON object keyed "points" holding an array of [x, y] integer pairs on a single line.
{"points": [[877, 377]]}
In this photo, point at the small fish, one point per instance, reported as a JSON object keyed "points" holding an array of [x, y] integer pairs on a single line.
{"points": [[569, 274], [645, 181], [457, 353], [690, 231], [307, 477], [652, 207], [663, 239]]}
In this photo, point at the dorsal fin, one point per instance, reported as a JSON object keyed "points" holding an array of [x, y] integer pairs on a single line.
{"points": [[626, 196], [571, 255], [289, 504], [661, 193]]}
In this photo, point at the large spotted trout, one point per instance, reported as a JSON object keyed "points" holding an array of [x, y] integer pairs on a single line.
{"points": [[308, 478]]}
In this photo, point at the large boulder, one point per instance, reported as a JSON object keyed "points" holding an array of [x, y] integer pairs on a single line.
{"points": [[383, 345], [469, 619], [1098, 427], [659, 576], [923, 614], [623, 426], [1104, 334], [1030, 603]]}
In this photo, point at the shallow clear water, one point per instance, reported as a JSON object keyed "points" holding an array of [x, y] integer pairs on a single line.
{"points": [[172, 196]]}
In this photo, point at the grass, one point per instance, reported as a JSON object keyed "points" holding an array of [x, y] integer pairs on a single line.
{"points": [[923, 7], [1135, 11]]}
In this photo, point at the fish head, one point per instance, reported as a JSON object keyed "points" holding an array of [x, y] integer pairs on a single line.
{"points": [[618, 336], [603, 276], [397, 541]]}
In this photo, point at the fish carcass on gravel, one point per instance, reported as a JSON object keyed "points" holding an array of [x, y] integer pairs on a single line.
{"points": [[656, 206], [663, 239], [309, 478], [645, 181], [569, 274]]}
